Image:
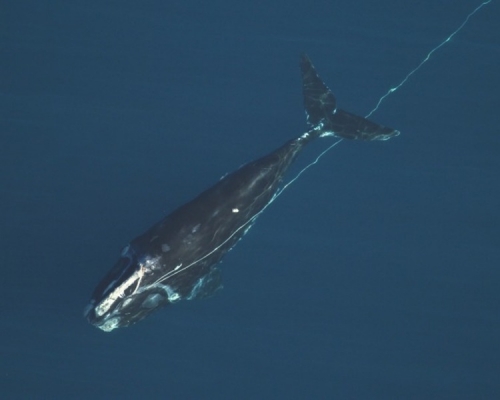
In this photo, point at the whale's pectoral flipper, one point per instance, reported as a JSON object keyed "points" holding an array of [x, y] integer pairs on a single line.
{"points": [[322, 113]]}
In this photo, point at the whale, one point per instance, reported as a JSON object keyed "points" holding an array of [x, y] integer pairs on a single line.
{"points": [[178, 257]]}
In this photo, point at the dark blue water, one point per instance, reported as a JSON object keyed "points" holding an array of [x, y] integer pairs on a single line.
{"points": [[375, 276]]}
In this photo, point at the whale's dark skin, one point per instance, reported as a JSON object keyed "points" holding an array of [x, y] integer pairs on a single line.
{"points": [[177, 258]]}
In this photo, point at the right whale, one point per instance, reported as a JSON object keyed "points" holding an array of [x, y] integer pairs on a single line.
{"points": [[177, 257]]}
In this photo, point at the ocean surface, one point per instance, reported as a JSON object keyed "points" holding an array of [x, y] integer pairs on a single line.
{"points": [[376, 275]]}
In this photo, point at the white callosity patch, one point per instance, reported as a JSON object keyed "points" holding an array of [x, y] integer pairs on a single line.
{"points": [[146, 266], [149, 264], [118, 293], [110, 324], [112, 321]]}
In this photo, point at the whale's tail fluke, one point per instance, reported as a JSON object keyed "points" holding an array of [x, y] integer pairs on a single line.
{"points": [[324, 116]]}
